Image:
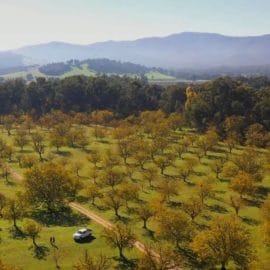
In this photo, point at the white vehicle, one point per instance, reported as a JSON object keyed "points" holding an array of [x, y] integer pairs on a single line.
{"points": [[82, 234]]}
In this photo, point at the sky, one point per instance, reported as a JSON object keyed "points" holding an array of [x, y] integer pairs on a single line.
{"points": [[26, 22]]}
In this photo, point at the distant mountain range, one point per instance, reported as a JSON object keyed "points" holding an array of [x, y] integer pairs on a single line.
{"points": [[178, 51]]}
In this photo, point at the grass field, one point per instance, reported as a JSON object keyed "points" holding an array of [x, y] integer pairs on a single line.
{"points": [[83, 70], [157, 76], [79, 71], [17, 252]]}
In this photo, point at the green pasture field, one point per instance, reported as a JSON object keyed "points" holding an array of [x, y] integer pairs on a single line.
{"points": [[83, 70]]}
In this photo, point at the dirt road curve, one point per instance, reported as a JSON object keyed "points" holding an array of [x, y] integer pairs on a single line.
{"points": [[106, 224], [90, 214]]}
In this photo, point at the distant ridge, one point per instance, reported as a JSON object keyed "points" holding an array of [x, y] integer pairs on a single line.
{"points": [[177, 51]]}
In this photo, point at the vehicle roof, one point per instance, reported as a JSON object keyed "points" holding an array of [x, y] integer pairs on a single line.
{"points": [[83, 230]]}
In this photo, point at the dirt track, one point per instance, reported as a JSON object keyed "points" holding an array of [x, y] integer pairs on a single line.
{"points": [[15, 175], [106, 224]]}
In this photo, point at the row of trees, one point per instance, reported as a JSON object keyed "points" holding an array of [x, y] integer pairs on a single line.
{"points": [[231, 105]]}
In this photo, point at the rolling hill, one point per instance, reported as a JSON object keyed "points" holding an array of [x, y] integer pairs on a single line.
{"points": [[90, 67]]}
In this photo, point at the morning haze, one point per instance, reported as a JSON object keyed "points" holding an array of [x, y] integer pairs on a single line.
{"points": [[134, 135]]}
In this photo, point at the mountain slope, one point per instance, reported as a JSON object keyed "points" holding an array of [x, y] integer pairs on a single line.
{"points": [[184, 50], [9, 59]]}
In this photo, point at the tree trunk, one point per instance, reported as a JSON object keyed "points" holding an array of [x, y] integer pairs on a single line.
{"points": [[144, 224], [177, 244], [126, 202], [6, 177], [15, 223], [116, 212], [121, 254], [34, 242], [93, 200]]}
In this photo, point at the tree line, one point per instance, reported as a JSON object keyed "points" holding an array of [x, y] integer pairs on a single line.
{"points": [[232, 105]]}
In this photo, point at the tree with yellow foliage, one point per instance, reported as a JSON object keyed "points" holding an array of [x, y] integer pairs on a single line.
{"points": [[93, 192], [190, 94], [164, 161], [144, 212], [243, 183], [88, 262], [32, 229], [175, 121], [121, 237], [236, 203], [174, 226], [168, 188], [193, 207], [204, 190], [227, 240], [164, 258]]}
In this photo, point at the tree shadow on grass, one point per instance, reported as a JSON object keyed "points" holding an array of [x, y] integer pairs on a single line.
{"points": [[82, 199], [217, 208], [191, 184], [250, 221], [101, 207], [220, 191], [104, 141], [252, 202], [17, 233], [26, 151], [223, 180], [124, 219], [174, 204], [62, 153], [40, 252], [63, 217], [200, 173], [191, 261], [262, 192], [10, 183], [125, 264], [131, 210], [201, 227], [149, 233]]}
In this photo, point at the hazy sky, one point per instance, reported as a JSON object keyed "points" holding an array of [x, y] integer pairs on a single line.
{"points": [[24, 22]]}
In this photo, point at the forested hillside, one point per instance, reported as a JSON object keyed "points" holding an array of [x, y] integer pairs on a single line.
{"points": [[89, 67]]}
